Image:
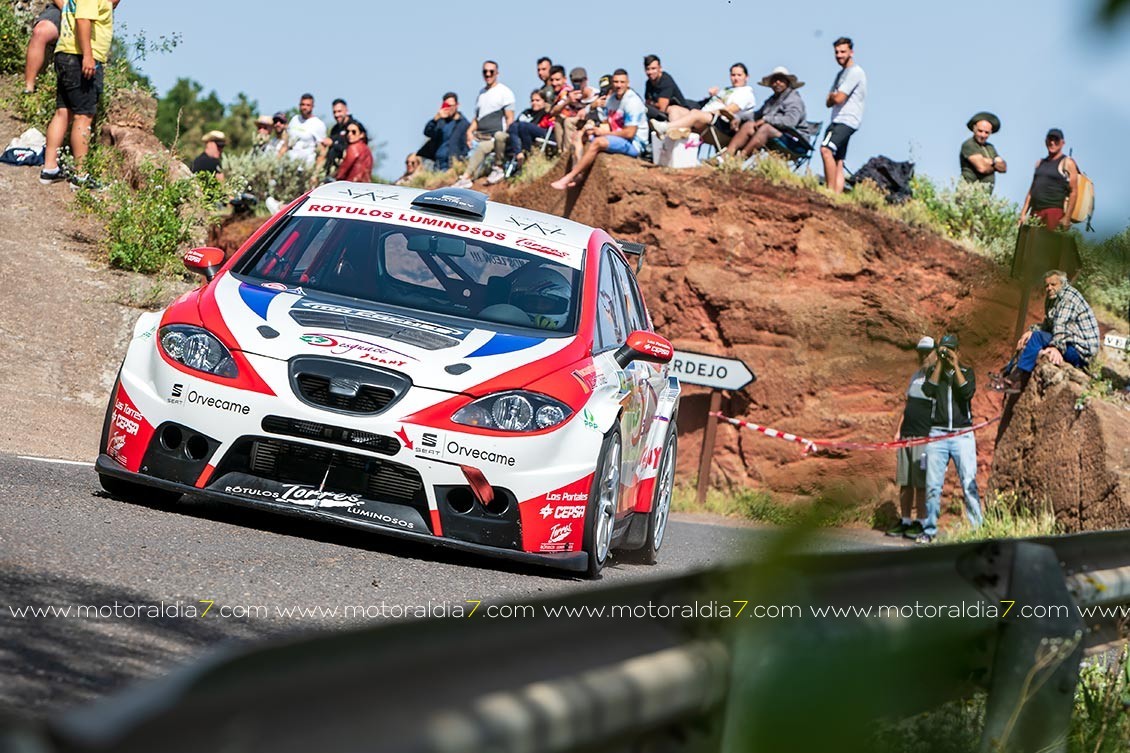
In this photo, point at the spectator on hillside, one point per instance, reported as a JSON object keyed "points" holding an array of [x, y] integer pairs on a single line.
{"points": [[413, 165], [447, 134], [1051, 197], [559, 84], [332, 147], [849, 91], [784, 110], [1069, 331], [357, 162], [979, 160], [85, 36], [494, 113], [951, 387], [545, 65], [624, 133], [536, 123], [718, 109], [208, 161], [44, 33], [662, 95], [278, 134], [572, 115], [263, 134], [910, 472], [304, 131]]}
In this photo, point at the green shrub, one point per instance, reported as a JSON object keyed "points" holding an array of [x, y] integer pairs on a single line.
{"points": [[147, 229], [969, 212], [1007, 516], [1105, 278], [13, 39], [268, 175]]}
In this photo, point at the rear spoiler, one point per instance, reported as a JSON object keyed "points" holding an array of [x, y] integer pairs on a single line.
{"points": [[634, 249]]}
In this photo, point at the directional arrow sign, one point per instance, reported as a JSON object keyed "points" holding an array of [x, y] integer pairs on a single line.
{"points": [[711, 371]]}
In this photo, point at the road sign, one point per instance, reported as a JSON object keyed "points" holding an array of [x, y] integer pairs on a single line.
{"points": [[711, 371]]}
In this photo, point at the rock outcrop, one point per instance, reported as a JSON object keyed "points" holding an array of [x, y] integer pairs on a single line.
{"points": [[130, 119], [1069, 449]]}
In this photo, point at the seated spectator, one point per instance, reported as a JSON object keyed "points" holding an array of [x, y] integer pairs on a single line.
{"points": [[581, 109], [413, 164], [357, 163], [560, 90], [734, 100], [624, 133], [783, 110], [662, 95], [535, 123], [44, 34], [494, 112], [447, 134], [209, 160]]}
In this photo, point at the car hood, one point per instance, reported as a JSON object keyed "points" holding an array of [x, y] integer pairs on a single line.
{"points": [[282, 323]]}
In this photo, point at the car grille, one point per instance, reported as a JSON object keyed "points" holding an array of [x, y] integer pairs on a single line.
{"points": [[369, 399], [331, 434], [345, 387], [364, 325], [328, 469]]}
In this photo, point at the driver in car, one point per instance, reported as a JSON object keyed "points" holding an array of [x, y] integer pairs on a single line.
{"points": [[543, 294]]}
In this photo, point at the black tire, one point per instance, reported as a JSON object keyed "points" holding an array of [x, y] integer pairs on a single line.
{"points": [[604, 499], [129, 491], [660, 513]]}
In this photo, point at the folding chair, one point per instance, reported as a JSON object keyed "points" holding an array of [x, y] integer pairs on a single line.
{"points": [[797, 144]]}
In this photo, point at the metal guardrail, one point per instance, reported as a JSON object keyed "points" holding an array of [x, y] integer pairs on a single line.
{"points": [[662, 681]]}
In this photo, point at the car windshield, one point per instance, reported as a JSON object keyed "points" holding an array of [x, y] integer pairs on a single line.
{"points": [[421, 269]]}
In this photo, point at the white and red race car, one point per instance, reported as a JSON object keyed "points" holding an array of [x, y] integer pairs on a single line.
{"points": [[429, 365]]}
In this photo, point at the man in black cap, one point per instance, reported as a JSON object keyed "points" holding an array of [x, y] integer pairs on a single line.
{"points": [[980, 162], [1052, 195], [951, 387]]}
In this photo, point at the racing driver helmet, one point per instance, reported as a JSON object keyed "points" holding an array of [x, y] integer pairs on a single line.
{"points": [[544, 294]]}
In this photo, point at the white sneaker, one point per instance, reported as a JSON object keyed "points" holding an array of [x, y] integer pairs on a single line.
{"points": [[660, 126], [462, 183], [496, 176]]}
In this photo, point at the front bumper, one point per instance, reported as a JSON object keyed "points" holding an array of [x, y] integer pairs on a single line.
{"points": [[571, 561]]}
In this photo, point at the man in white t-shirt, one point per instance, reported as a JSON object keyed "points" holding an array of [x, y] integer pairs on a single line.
{"points": [[849, 91], [494, 112], [625, 132], [737, 98], [304, 131]]}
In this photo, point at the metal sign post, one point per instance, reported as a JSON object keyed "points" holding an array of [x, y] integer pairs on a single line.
{"points": [[718, 374]]}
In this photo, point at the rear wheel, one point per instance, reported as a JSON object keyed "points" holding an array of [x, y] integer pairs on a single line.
{"points": [[661, 500], [604, 501]]}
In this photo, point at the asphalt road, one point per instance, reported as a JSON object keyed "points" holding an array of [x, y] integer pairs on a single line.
{"points": [[63, 543]]}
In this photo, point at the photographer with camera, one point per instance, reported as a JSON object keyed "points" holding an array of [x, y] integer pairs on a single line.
{"points": [[951, 387]]}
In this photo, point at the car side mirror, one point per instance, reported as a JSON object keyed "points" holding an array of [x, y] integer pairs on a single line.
{"points": [[645, 346], [204, 261]]}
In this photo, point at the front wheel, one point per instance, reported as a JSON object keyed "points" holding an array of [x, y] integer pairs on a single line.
{"points": [[604, 501], [661, 500]]}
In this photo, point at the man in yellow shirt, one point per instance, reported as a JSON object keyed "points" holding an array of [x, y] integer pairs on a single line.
{"points": [[84, 45]]}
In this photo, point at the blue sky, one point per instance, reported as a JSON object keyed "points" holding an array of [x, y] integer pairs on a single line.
{"points": [[1036, 64]]}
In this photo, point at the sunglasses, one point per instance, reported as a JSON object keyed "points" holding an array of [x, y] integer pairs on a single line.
{"points": [[489, 72], [353, 132]]}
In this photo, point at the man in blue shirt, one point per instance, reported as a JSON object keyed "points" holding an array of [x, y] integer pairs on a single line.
{"points": [[624, 133]]}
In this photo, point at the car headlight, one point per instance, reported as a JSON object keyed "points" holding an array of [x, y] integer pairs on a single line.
{"points": [[197, 349], [513, 411]]}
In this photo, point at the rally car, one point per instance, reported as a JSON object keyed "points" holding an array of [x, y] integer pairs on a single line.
{"points": [[426, 364]]}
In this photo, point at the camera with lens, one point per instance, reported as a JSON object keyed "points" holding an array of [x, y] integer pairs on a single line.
{"points": [[605, 85]]}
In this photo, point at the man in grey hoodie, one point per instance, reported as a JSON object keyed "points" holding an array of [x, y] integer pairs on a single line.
{"points": [[783, 109]]}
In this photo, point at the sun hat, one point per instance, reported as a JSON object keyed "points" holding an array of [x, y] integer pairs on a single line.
{"points": [[783, 72], [994, 121], [264, 120], [215, 136]]}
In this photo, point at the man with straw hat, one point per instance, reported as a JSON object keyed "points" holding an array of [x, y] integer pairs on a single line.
{"points": [[980, 162], [783, 110]]}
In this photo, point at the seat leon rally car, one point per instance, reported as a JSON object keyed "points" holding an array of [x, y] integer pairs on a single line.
{"points": [[429, 365]]}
